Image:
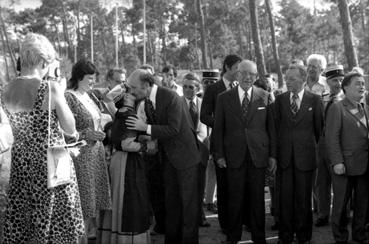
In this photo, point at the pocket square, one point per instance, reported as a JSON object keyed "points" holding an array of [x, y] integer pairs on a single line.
{"points": [[310, 108], [261, 108]]}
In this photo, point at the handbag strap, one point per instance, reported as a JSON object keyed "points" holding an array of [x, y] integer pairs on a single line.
{"points": [[49, 117]]}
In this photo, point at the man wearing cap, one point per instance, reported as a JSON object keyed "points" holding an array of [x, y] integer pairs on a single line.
{"points": [[207, 116], [334, 75], [347, 145]]}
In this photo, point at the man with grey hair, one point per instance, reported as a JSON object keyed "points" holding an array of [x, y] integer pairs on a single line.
{"points": [[315, 82], [244, 145], [299, 122]]}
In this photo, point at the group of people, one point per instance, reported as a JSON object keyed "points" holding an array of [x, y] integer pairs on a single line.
{"points": [[150, 143]]}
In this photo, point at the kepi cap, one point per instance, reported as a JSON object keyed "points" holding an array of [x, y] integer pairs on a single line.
{"points": [[334, 70]]}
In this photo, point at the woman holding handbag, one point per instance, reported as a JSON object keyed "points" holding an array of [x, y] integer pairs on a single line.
{"points": [[91, 168], [36, 213]]}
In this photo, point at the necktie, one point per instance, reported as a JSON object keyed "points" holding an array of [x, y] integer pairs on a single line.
{"points": [[150, 111], [330, 102], [361, 113], [231, 85], [194, 113], [245, 105], [294, 107]]}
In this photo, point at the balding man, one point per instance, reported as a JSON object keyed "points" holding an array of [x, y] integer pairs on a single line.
{"points": [[299, 122], [170, 123], [244, 146]]}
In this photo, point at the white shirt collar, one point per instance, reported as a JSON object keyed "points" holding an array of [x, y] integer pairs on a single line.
{"points": [[300, 94], [241, 93], [153, 92], [194, 100], [226, 82]]}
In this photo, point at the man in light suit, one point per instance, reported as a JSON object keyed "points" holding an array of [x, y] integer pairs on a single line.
{"points": [[207, 116], [347, 144], [299, 122], [176, 136], [244, 144], [191, 85]]}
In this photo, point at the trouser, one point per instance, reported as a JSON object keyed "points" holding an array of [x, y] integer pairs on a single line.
{"points": [[343, 186]]}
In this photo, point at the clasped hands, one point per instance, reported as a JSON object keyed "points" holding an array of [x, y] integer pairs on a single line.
{"points": [[152, 145]]}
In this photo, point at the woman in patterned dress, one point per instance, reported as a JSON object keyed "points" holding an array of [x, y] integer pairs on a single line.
{"points": [[91, 168], [36, 214]]}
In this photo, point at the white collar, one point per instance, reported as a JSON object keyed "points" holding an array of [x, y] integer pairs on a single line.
{"points": [[153, 92], [241, 93], [300, 94], [194, 100]]}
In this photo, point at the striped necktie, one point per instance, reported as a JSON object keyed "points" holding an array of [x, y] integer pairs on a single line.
{"points": [[294, 106]]}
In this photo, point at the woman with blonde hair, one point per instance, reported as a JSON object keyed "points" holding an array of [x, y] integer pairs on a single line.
{"points": [[35, 213]]}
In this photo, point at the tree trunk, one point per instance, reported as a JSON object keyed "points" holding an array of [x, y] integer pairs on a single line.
{"points": [[201, 20], [239, 35], [345, 20], [5, 60], [65, 31], [274, 44], [5, 34], [256, 37], [78, 30]]}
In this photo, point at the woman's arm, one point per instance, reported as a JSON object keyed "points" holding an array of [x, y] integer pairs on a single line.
{"points": [[65, 115]]}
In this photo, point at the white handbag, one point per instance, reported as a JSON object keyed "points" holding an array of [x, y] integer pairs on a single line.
{"points": [[59, 161], [6, 136]]}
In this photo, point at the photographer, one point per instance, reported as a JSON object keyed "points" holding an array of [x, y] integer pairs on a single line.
{"points": [[36, 214]]}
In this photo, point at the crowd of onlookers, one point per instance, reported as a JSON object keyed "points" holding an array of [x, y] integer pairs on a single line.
{"points": [[156, 149]]}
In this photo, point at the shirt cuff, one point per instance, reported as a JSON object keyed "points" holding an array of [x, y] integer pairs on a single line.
{"points": [[148, 130]]}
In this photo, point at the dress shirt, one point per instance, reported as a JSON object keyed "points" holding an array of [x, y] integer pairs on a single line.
{"points": [[152, 98], [241, 94], [299, 99]]}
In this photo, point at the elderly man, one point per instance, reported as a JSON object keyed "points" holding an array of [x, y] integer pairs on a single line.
{"points": [[244, 142], [315, 82], [170, 123], [334, 75], [191, 86], [299, 122], [347, 144]]}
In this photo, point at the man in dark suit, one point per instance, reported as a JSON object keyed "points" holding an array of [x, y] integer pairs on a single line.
{"points": [[299, 122], [207, 116], [180, 154], [191, 85], [347, 144], [244, 144]]}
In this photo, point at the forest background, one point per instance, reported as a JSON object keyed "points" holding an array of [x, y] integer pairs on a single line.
{"points": [[190, 34]]}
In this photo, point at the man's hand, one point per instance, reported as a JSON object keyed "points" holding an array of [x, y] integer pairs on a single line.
{"points": [[222, 163], [134, 123], [339, 169], [272, 165]]}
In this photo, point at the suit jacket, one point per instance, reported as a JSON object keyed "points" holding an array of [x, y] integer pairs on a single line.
{"points": [[233, 135], [201, 133], [347, 137], [207, 115], [297, 136], [174, 130]]}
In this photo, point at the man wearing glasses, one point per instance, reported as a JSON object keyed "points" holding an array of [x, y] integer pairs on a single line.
{"points": [[244, 136]]}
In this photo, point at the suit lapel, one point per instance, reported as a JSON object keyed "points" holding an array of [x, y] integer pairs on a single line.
{"points": [[350, 109], [304, 106], [158, 103], [235, 102], [286, 100], [255, 96]]}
